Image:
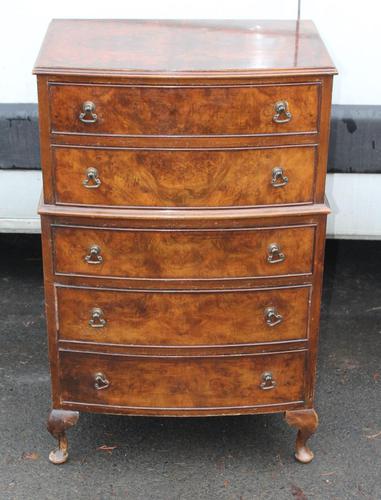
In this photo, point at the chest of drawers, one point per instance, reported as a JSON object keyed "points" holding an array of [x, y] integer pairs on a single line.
{"points": [[183, 218]]}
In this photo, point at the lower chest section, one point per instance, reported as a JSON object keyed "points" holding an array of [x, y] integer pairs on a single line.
{"points": [[178, 318]]}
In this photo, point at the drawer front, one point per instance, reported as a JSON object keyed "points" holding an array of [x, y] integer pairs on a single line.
{"points": [[184, 111], [184, 254], [203, 178], [182, 318], [181, 383]]}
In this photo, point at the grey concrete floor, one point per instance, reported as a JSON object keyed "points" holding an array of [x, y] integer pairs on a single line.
{"points": [[247, 457]]}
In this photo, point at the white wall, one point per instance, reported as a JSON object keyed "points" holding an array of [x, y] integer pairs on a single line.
{"points": [[351, 30]]}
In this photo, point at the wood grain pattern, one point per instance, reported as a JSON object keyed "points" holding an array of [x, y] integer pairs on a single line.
{"points": [[177, 178], [203, 254], [182, 47], [181, 383], [181, 318], [184, 110]]}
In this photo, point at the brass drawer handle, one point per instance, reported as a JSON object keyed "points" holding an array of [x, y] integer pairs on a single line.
{"points": [[97, 320], [278, 179], [267, 381], [275, 254], [272, 316], [101, 381], [88, 115], [93, 256], [92, 180], [281, 109]]}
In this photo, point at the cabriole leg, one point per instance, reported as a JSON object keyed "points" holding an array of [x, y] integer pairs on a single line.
{"points": [[306, 421], [58, 422]]}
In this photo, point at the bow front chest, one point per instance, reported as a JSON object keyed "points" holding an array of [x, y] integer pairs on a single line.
{"points": [[183, 217]]}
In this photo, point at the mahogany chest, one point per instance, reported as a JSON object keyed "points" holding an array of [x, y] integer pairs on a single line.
{"points": [[183, 217]]}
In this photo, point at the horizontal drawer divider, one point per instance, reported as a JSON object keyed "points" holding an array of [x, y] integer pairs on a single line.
{"points": [[191, 142], [181, 136], [276, 406], [225, 214], [176, 356], [178, 148], [182, 285], [276, 344], [169, 280], [185, 290]]}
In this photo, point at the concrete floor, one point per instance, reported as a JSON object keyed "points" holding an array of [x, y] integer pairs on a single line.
{"points": [[246, 457]]}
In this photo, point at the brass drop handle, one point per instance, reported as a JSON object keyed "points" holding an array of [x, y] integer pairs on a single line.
{"points": [[93, 256], [281, 109], [97, 320], [272, 316], [88, 115], [278, 179], [267, 381], [92, 180], [101, 381], [275, 254]]}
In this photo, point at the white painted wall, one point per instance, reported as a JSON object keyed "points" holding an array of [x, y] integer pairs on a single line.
{"points": [[351, 30]]}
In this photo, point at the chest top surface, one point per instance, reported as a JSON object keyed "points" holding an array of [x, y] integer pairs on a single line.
{"points": [[182, 48]]}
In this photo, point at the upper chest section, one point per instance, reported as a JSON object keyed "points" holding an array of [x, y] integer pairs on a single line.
{"points": [[183, 113]]}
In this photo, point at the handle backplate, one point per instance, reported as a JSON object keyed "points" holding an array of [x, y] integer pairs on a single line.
{"points": [[94, 255], [97, 320], [281, 110], [87, 115], [272, 316], [101, 381], [275, 255], [278, 179], [267, 381], [92, 180]]}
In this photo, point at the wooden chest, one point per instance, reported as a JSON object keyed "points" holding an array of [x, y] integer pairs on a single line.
{"points": [[183, 217]]}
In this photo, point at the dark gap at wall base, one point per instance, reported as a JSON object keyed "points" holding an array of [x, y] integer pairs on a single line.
{"points": [[19, 137], [355, 142]]}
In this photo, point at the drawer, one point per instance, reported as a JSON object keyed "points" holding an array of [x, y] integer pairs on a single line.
{"points": [[175, 178], [183, 254], [178, 318], [181, 382], [213, 110]]}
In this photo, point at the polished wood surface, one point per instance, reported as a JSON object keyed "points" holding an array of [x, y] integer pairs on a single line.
{"points": [[178, 318], [176, 47], [184, 178], [180, 280], [168, 383], [184, 110], [191, 254]]}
